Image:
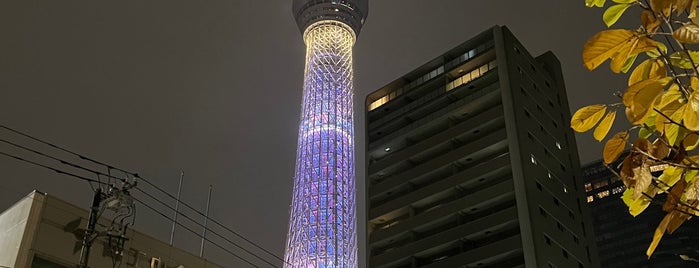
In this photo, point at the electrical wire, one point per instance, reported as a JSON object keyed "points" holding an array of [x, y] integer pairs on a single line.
{"points": [[134, 175], [52, 168], [205, 227], [142, 191], [143, 203], [194, 232]]}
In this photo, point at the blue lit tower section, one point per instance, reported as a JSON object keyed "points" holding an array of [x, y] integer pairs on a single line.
{"points": [[323, 224]]}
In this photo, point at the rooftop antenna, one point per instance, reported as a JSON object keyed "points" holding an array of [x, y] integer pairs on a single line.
{"points": [[177, 208]]}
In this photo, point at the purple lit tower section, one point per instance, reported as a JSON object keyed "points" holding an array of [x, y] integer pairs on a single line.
{"points": [[323, 223]]}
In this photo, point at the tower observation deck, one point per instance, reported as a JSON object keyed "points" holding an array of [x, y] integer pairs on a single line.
{"points": [[323, 224]]}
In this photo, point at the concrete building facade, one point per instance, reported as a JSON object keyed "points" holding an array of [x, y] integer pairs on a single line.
{"points": [[470, 163], [41, 231]]}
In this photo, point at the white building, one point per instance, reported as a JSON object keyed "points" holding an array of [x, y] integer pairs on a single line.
{"points": [[43, 231]]}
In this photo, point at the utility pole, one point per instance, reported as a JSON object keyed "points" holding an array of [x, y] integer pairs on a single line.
{"points": [[90, 232], [117, 200]]}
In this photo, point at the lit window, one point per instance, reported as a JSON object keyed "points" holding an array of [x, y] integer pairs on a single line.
{"points": [[378, 103], [603, 194], [590, 198], [588, 187], [618, 189]]}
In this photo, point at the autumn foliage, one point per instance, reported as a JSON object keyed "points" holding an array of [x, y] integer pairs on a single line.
{"points": [[661, 101]]}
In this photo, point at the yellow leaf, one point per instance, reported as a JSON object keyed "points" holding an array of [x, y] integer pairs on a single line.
{"points": [[671, 95], [688, 34], [615, 147], [594, 3], [672, 130], [691, 113], [691, 175], [604, 45], [692, 191], [627, 53], [640, 97], [624, 1], [641, 180], [682, 5], [587, 117], [693, 10], [670, 176], [690, 141], [681, 59], [648, 126], [613, 13], [669, 103], [648, 69], [629, 62], [659, 231], [604, 126], [661, 6], [636, 206]]}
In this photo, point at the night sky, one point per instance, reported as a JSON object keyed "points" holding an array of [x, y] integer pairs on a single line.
{"points": [[213, 88]]}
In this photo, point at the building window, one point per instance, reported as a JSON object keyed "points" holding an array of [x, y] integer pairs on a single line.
{"points": [[590, 198], [601, 184], [603, 194], [588, 187], [468, 77], [618, 189]]}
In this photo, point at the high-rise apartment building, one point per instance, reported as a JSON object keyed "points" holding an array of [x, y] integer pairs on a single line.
{"points": [[471, 163], [323, 223], [622, 239]]}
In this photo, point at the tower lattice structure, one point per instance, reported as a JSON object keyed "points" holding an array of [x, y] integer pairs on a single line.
{"points": [[323, 224]]}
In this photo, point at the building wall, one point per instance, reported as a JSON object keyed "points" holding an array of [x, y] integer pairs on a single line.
{"points": [[54, 239], [16, 231], [449, 175], [555, 224]]}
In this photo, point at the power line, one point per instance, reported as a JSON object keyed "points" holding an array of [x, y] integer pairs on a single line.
{"points": [[136, 175], [62, 161], [194, 232], [202, 225], [143, 203], [52, 168], [140, 190]]}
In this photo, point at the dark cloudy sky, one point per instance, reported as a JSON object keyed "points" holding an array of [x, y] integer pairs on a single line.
{"points": [[214, 88]]}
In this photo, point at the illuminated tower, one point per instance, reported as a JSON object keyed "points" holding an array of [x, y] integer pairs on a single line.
{"points": [[323, 224]]}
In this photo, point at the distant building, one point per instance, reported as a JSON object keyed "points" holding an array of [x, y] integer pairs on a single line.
{"points": [[41, 231], [470, 163], [622, 240]]}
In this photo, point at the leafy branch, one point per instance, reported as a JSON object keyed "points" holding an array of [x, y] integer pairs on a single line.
{"points": [[661, 102]]}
